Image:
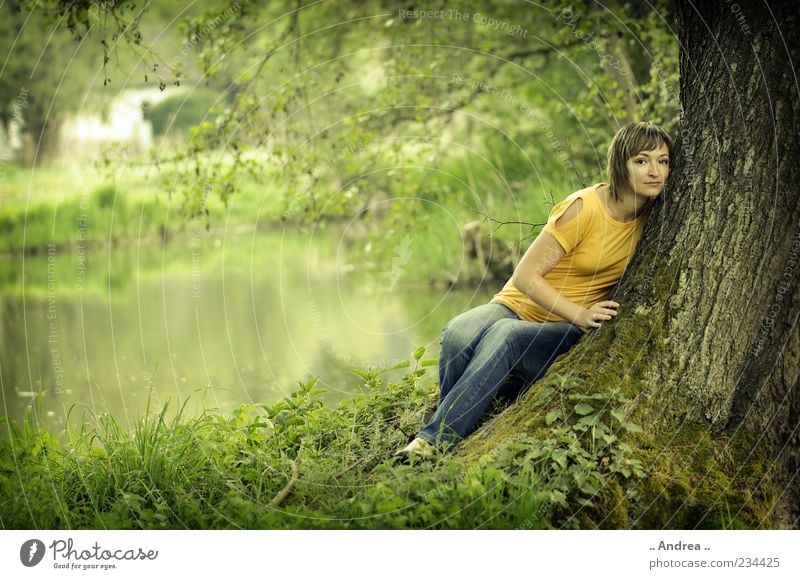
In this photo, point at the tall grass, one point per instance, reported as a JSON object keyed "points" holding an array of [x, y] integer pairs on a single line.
{"points": [[294, 464], [133, 208], [420, 235]]}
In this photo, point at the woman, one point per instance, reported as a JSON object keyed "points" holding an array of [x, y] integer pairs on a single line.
{"points": [[557, 293]]}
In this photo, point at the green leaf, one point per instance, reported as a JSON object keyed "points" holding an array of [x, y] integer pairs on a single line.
{"points": [[551, 417], [560, 456], [580, 477], [591, 420], [419, 352], [618, 414], [583, 409], [596, 396], [609, 438], [534, 454], [631, 427], [546, 393], [558, 498]]}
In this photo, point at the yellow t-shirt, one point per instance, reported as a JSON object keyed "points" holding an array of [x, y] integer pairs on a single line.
{"points": [[598, 249]]}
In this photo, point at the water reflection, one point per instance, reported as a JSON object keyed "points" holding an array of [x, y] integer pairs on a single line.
{"points": [[221, 320]]}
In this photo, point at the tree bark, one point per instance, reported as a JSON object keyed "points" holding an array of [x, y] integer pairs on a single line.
{"points": [[707, 341]]}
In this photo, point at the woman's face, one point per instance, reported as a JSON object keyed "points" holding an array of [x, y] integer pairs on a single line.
{"points": [[648, 171]]}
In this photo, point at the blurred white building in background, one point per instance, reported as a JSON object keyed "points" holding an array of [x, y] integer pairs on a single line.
{"points": [[84, 135]]}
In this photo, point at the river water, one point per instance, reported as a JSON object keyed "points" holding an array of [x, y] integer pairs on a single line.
{"points": [[213, 320]]}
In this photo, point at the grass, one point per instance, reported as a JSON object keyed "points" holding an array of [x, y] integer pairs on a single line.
{"points": [[420, 233], [295, 464], [64, 206], [67, 205]]}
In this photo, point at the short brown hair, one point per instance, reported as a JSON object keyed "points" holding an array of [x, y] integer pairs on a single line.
{"points": [[631, 140]]}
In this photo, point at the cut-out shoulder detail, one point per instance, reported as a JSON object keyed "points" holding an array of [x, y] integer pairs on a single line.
{"points": [[570, 213]]}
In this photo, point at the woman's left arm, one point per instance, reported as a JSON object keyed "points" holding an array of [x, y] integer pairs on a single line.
{"points": [[528, 278]]}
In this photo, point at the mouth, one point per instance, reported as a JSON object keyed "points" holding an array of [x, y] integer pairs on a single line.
{"points": [[653, 184]]}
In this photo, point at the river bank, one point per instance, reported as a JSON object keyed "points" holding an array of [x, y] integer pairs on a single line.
{"points": [[294, 464]]}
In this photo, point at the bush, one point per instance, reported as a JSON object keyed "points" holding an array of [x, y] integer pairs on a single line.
{"points": [[105, 196], [298, 463], [181, 112]]}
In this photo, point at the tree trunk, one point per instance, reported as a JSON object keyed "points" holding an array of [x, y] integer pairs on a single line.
{"points": [[707, 341], [41, 140]]}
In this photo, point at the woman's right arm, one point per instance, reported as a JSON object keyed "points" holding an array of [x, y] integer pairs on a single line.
{"points": [[542, 255]]}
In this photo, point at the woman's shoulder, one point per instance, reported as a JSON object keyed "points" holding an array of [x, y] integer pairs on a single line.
{"points": [[590, 197], [592, 192], [582, 204], [600, 188], [572, 219]]}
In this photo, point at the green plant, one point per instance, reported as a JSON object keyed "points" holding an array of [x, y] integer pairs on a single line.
{"points": [[298, 463], [582, 453], [105, 196], [181, 112]]}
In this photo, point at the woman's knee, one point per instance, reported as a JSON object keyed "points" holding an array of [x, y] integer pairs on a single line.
{"points": [[467, 328], [500, 334], [505, 327], [517, 337], [455, 337]]}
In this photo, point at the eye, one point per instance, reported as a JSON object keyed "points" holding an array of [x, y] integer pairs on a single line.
{"points": [[665, 161]]}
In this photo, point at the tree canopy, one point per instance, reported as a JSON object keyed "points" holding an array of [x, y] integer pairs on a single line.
{"points": [[340, 92]]}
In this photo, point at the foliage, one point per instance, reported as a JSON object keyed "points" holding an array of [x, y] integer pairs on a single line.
{"points": [[179, 113], [102, 216], [77, 209], [334, 106], [371, 123], [31, 80], [586, 438], [334, 467]]}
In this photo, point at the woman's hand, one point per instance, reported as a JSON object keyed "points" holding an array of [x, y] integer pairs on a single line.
{"points": [[596, 315]]}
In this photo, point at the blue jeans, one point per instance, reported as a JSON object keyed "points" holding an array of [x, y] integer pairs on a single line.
{"points": [[484, 350]]}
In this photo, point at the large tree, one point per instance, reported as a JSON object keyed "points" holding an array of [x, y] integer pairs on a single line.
{"points": [[707, 343]]}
